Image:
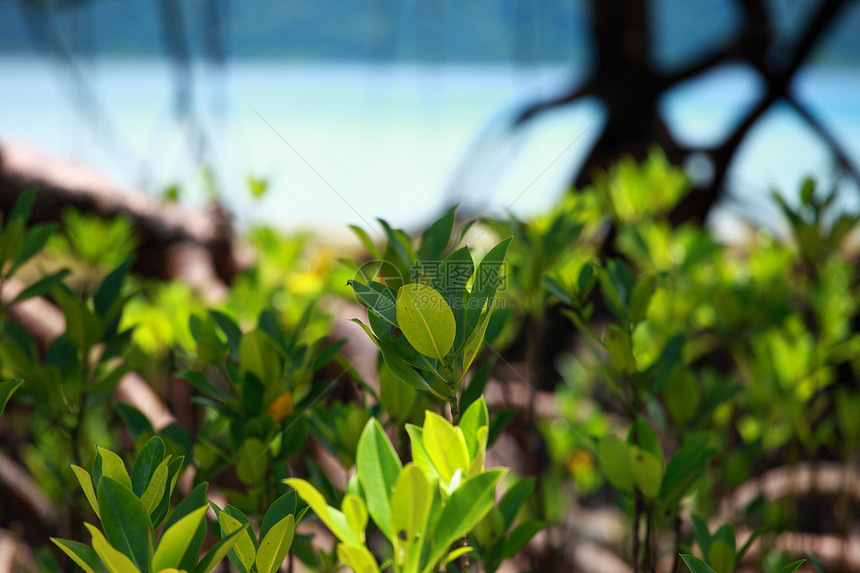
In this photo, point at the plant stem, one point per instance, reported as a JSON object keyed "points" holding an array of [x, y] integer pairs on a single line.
{"points": [[455, 409], [533, 439], [648, 555], [452, 396], [465, 564], [637, 512], [676, 560]]}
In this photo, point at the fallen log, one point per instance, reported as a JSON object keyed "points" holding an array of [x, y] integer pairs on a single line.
{"points": [[168, 233]]}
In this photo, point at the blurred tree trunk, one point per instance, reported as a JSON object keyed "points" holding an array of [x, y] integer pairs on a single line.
{"points": [[629, 85]]}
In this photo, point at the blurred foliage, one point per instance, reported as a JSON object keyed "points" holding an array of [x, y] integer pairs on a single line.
{"points": [[692, 367]]}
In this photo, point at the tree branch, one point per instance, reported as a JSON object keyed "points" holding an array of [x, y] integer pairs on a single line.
{"points": [[838, 151], [532, 110]]}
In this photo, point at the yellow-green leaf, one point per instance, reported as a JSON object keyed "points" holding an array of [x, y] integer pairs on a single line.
{"points": [[86, 558], [473, 343], [275, 545], [258, 354], [426, 320], [87, 485], [334, 519], [647, 471], [356, 513], [614, 457], [113, 466], [175, 541], [456, 554], [721, 557], [445, 445], [357, 558], [151, 497], [244, 547], [114, 560], [410, 505]]}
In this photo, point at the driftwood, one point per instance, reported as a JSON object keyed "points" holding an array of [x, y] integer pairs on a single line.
{"points": [[174, 241]]}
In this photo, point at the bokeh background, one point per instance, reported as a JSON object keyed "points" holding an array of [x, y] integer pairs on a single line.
{"points": [[350, 110]]}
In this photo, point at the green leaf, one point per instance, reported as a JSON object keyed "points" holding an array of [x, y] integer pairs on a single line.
{"points": [[397, 399], [199, 381], [614, 458], [419, 453], [356, 513], [230, 329], [83, 327], [280, 508], [476, 416], [115, 561], [560, 292], [216, 553], [253, 461], [474, 343], [726, 534], [110, 288], [807, 191], [84, 556], [520, 537], [487, 280], [378, 298], [456, 554], [426, 320], [126, 524], [149, 458], [377, 466], [410, 506], [646, 470], [22, 206], [258, 354], [42, 286], [476, 386], [701, 533], [645, 438], [681, 397], [371, 247], [398, 252], [465, 508], [176, 540], [514, 498], [209, 347], [721, 557], [112, 466], [6, 390], [173, 469], [135, 421], [243, 551], [791, 567], [403, 369], [450, 281], [87, 485], [446, 446], [755, 535], [154, 492], [696, 565], [357, 558], [620, 349], [334, 519], [195, 499], [641, 296], [437, 237], [275, 545], [685, 467]]}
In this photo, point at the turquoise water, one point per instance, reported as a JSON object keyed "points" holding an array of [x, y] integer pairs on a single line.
{"points": [[348, 143]]}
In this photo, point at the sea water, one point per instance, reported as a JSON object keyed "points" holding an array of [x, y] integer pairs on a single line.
{"points": [[348, 142]]}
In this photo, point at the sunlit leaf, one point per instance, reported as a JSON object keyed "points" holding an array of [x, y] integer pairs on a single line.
{"points": [[426, 320]]}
